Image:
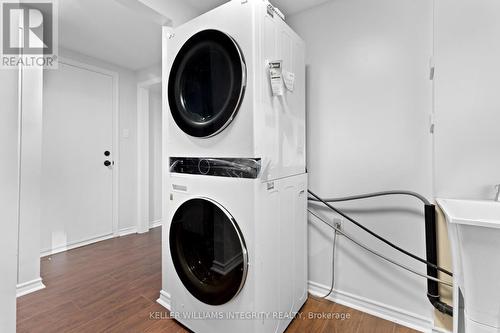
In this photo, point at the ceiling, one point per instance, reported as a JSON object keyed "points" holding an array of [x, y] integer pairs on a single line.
{"points": [[112, 31], [288, 7], [128, 32]]}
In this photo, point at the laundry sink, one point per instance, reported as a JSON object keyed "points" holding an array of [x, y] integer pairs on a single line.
{"points": [[474, 231], [472, 212]]}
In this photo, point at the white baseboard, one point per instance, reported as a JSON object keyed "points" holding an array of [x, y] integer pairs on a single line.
{"points": [[155, 224], [127, 231], [374, 308], [71, 246], [384, 311], [67, 247], [164, 300], [29, 287]]}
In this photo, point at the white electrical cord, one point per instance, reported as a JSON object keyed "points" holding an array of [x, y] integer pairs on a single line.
{"points": [[333, 264], [377, 253]]}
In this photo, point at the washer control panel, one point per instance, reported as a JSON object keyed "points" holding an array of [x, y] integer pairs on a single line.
{"points": [[222, 167]]}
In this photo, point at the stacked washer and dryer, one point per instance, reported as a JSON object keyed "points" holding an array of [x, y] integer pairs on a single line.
{"points": [[235, 239]]}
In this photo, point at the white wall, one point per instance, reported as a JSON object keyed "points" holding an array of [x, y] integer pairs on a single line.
{"points": [[368, 106], [148, 73], [155, 156], [30, 168], [467, 106], [8, 198], [467, 103]]}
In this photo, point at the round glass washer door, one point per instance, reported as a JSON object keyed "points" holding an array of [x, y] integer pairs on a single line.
{"points": [[208, 251], [206, 84]]}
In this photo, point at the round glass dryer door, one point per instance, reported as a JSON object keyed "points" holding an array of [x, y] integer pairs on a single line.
{"points": [[206, 83], [208, 251]]}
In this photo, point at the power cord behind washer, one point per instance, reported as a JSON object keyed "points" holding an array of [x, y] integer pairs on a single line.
{"points": [[394, 246], [430, 241]]}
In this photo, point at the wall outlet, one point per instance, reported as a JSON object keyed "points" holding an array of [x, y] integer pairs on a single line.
{"points": [[337, 223]]}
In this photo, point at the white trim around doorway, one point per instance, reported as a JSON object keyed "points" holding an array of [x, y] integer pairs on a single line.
{"points": [[143, 223]]}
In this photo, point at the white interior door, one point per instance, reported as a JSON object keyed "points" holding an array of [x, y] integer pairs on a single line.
{"points": [[77, 188]]}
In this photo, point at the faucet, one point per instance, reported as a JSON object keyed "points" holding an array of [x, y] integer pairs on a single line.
{"points": [[497, 196]]}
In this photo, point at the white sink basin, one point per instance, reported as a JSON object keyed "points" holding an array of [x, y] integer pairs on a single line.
{"points": [[472, 212], [474, 231]]}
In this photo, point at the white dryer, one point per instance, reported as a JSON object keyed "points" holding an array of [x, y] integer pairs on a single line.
{"points": [[234, 252], [216, 76]]}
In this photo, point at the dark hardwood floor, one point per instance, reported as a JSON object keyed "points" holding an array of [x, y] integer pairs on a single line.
{"points": [[112, 286]]}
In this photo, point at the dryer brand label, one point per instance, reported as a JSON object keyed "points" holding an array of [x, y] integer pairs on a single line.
{"points": [[179, 187], [276, 77]]}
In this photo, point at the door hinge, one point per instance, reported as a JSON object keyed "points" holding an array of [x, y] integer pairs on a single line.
{"points": [[432, 123], [432, 69]]}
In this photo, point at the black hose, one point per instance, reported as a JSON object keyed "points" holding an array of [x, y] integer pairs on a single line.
{"points": [[431, 252], [430, 241], [394, 246]]}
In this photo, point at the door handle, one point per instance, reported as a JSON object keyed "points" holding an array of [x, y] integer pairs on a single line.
{"points": [[107, 163]]}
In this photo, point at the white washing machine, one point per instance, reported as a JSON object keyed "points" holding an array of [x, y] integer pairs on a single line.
{"points": [[218, 88], [234, 254]]}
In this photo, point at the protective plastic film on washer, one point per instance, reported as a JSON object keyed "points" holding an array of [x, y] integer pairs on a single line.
{"points": [[289, 79], [276, 77], [222, 167]]}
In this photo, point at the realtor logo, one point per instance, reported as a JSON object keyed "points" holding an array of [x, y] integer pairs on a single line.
{"points": [[28, 33]]}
